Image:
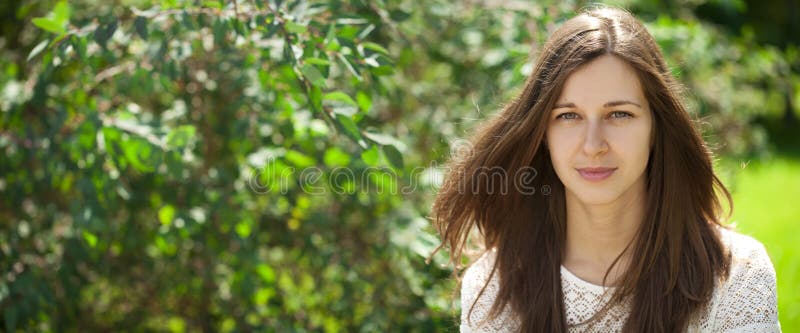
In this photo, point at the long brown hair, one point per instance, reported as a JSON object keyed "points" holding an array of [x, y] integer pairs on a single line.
{"points": [[678, 252]]}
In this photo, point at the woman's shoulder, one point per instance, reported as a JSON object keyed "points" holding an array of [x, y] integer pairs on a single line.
{"points": [[479, 288], [481, 267], [744, 249], [751, 266], [477, 276], [747, 299]]}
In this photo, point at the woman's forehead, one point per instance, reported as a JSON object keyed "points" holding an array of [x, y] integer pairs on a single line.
{"points": [[607, 79]]}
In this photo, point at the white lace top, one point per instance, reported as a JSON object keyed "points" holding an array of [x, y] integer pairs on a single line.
{"points": [[745, 302]]}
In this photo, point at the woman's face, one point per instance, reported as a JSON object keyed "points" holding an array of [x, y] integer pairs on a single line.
{"points": [[599, 132]]}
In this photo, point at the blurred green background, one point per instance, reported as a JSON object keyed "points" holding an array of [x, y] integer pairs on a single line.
{"points": [[242, 166]]}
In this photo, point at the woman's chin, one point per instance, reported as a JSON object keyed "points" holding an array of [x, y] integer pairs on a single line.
{"points": [[594, 198]]}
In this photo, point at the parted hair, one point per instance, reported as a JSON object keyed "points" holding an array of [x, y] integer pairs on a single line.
{"points": [[676, 256]]}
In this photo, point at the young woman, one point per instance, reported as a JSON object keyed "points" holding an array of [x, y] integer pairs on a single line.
{"points": [[624, 233]]}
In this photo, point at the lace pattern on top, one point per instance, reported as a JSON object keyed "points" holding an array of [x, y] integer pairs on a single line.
{"points": [[745, 302]]}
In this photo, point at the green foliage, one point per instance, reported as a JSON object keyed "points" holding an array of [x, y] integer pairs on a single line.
{"points": [[159, 155], [57, 20], [771, 221], [268, 166]]}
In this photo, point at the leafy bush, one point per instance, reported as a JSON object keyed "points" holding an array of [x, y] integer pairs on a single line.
{"points": [[242, 165]]}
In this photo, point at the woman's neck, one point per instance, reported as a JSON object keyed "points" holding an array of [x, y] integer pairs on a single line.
{"points": [[598, 234]]}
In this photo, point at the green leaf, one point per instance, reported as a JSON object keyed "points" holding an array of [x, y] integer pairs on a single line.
{"points": [[315, 98], [349, 66], [61, 12], [240, 27], [38, 49], [382, 70], [398, 15], [166, 214], [104, 33], [350, 128], [364, 33], [339, 96], [220, 29], [313, 75], [142, 155], [166, 4], [317, 61], [266, 273], [212, 4], [262, 296], [141, 27], [335, 157], [50, 25], [331, 42], [383, 139], [375, 47], [176, 324], [364, 101], [164, 246], [371, 155], [111, 136], [79, 43], [243, 229], [347, 111], [90, 238], [370, 61], [393, 155], [299, 159], [294, 27], [350, 27], [181, 136]]}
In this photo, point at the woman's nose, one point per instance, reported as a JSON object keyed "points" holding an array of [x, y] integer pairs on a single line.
{"points": [[594, 139]]}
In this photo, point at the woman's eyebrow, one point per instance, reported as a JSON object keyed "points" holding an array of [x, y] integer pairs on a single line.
{"points": [[611, 104], [620, 102], [564, 105]]}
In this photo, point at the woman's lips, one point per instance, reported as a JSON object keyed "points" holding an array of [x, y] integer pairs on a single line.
{"points": [[596, 174]]}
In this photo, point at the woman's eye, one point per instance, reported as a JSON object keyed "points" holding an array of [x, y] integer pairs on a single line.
{"points": [[568, 116], [621, 115]]}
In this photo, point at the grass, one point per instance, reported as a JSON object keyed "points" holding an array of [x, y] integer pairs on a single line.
{"points": [[766, 196]]}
